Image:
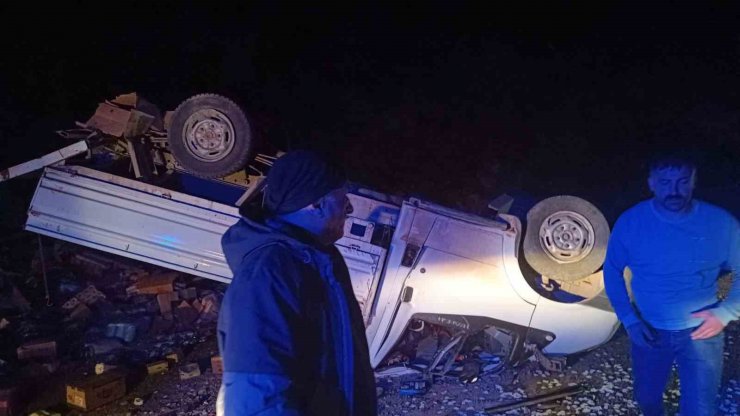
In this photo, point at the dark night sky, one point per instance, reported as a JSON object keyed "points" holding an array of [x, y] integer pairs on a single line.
{"points": [[441, 99]]}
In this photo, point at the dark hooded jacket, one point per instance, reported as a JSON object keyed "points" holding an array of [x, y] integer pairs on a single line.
{"points": [[290, 330]]}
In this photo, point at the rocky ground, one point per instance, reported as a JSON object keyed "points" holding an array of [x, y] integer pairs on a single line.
{"points": [[604, 374]]}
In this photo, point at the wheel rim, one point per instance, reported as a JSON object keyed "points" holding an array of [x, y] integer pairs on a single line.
{"points": [[567, 236], [208, 135]]}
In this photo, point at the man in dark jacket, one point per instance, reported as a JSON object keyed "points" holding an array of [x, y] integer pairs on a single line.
{"points": [[290, 330]]}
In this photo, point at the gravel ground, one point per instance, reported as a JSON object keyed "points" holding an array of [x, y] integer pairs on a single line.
{"points": [[604, 373]]}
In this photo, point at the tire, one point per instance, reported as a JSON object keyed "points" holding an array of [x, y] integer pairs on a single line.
{"points": [[210, 136], [566, 238]]}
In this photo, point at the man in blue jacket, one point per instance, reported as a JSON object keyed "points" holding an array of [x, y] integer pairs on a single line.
{"points": [[677, 248], [290, 331]]}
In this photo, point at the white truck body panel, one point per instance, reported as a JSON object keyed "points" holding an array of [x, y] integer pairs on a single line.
{"points": [[171, 229], [584, 324], [459, 271], [465, 265], [132, 219]]}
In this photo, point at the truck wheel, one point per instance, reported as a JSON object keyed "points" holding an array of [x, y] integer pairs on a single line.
{"points": [[566, 238], [210, 136]]}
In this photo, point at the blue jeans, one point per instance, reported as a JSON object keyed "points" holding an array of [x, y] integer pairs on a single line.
{"points": [[699, 371]]}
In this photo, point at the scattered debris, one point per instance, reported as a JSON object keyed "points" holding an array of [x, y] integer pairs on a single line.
{"points": [[174, 357], [555, 364], [186, 313], [9, 401], [470, 372], [414, 388], [84, 348], [127, 115], [95, 391], [81, 313], [101, 368], [164, 300], [210, 308], [217, 365], [153, 285], [188, 293], [37, 349], [124, 331], [107, 316], [157, 367], [10, 296], [87, 297], [189, 371], [542, 398], [102, 346], [45, 413]]}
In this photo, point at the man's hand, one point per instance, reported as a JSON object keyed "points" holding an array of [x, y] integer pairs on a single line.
{"points": [[641, 334], [709, 328]]}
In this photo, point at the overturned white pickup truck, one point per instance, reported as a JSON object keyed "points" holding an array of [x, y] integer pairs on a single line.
{"points": [[417, 267]]}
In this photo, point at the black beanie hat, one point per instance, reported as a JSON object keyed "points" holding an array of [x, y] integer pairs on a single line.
{"points": [[299, 178]]}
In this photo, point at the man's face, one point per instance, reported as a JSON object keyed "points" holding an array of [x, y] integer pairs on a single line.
{"points": [[335, 206], [673, 187]]}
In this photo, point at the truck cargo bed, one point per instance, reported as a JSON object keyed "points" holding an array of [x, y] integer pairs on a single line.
{"points": [[132, 219]]}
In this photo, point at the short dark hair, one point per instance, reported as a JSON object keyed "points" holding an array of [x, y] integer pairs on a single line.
{"points": [[672, 159]]}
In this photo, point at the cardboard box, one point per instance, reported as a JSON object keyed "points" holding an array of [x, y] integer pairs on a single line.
{"points": [[96, 391], [165, 303], [109, 119], [153, 284], [186, 313], [80, 313], [188, 293], [217, 364], [157, 367]]}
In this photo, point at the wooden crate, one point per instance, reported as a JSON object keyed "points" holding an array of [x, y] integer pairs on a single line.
{"points": [[92, 392]]}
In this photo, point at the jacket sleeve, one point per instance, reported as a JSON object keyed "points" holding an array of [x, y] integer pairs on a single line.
{"points": [[729, 309], [614, 265], [262, 335]]}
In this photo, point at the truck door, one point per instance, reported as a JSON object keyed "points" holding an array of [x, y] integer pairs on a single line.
{"points": [[364, 246], [448, 263]]}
